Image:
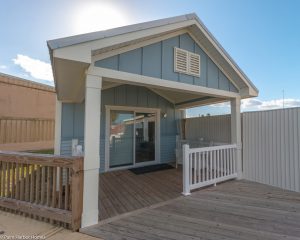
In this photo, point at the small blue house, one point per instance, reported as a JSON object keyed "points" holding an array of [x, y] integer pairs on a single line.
{"points": [[120, 92]]}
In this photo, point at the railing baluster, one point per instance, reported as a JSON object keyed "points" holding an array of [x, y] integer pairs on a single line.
{"points": [[43, 182], [190, 169], [4, 179], [53, 204], [22, 183], [199, 167], [206, 166], [27, 183], [195, 169], [60, 178], [218, 163], [48, 186], [8, 180], [230, 161], [214, 168], [1, 177], [17, 181], [37, 184], [227, 162], [67, 190], [210, 164], [32, 173], [13, 180]]}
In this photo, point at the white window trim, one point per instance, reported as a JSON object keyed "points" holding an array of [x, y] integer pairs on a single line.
{"points": [[188, 54], [108, 108]]}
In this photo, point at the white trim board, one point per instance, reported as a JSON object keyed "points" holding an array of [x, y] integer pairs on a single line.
{"points": [[136, 79], [108, 108], [127, 48]]}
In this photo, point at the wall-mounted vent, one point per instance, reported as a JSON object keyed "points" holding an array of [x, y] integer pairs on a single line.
{"points": [[186, 62]]}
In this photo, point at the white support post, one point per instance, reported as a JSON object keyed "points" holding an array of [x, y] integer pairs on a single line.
{"points": [[91, 150], [57, 135], [57, 131], [186, 170], [236, 133]]}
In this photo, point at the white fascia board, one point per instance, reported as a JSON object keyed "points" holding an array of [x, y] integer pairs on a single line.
{"points": [[143, 43], [248, 92], [135, 79], [82, 52]]}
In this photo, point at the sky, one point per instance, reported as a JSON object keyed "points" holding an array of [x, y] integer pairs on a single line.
{"points": [[262, 36]]}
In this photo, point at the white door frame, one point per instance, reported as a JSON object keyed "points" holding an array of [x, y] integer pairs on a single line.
{"points": [[108, 108]]}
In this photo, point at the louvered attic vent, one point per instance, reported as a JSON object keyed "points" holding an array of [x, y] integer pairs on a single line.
{"points": [[186, 62]]}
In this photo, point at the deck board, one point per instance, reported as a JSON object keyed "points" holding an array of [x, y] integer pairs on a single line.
{"points": [[124, 191], [232, 210]]}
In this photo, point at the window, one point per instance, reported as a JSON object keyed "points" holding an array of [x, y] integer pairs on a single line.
{"points": [[186, 62]]}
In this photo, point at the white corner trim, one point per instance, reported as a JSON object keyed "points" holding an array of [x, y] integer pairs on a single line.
{"points": [[57, 138], [145, 81]]}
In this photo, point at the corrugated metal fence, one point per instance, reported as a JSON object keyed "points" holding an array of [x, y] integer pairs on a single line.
{"points": [[271, 144]]}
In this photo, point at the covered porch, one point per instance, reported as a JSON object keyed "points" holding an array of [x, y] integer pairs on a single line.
{"points": [[125, 192]]}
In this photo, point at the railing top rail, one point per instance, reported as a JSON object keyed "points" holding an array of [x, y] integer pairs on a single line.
{"points": [[75, 163], [213, 148]]}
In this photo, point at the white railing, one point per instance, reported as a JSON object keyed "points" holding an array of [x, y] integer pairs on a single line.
{"points": [[208, 165]]}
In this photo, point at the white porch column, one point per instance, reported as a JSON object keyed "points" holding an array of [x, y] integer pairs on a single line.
{"points": [[57, 131], [91, 150], [236, 132]]}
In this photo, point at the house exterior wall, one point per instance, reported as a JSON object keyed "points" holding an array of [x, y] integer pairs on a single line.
{"points": [[125, 95], [157, 60]]}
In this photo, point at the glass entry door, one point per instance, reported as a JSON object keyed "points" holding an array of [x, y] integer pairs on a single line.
{"points": [[131, 138], [121, 138], [144, 137]]}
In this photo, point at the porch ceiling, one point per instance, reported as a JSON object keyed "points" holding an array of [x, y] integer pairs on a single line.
{"points": [[181, 98]]}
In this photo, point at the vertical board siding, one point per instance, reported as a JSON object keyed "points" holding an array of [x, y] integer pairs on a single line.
{"points": [[125, 95], [211, 128], [271, 147], [157, 60]]}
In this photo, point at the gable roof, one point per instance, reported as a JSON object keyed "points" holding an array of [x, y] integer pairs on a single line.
{"points": [[88, 45]]}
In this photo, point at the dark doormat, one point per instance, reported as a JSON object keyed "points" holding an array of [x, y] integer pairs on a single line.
{"points": [[151, 168]]}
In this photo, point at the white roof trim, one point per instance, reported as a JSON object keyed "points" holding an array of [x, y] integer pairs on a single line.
{"points": [[191, 19]]}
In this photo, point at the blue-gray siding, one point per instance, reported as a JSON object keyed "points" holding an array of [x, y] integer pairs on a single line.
{"points": [[125, 95], [157, 60]]}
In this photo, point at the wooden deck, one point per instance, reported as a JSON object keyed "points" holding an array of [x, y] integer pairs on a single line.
{"points": [[124, 191], [232, 210]]}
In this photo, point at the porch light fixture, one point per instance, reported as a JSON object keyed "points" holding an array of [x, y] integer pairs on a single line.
{"points": [[164, 115]]}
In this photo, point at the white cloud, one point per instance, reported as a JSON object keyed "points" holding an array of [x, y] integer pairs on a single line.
{"points": [[257, 104], [3, 67], [279, 103], [36, 68]]}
